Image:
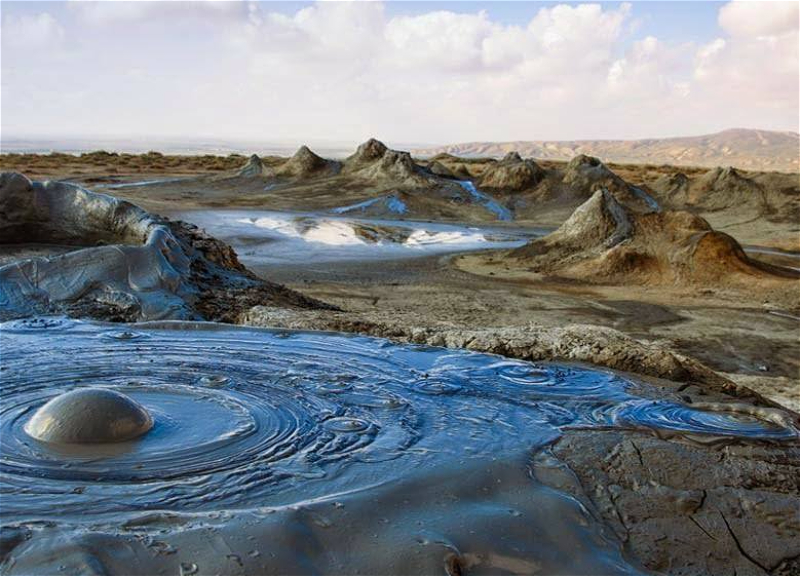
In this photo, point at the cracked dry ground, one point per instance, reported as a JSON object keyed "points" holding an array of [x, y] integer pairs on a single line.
{"points": [[684, 508]]}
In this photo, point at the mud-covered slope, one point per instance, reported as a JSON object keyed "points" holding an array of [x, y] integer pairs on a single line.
{"points": [[117, 261], [379, 182], [530, 189], [512, 174], [306, 164], [605, 240], [254, 167], [771, 195], [373, 162]]}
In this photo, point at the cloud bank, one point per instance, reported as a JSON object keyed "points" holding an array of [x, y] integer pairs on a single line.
{"points": [[345, 71]]}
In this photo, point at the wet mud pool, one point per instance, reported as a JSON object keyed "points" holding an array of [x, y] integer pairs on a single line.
{"points": [[294, 452], [262, 237]]}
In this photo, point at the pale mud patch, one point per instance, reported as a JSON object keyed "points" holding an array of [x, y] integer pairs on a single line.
{"points": [[784, 390]]}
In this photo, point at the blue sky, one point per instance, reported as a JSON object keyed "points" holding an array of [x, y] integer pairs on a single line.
{"points": [[679, 20], [425, 72], [682, 21]]}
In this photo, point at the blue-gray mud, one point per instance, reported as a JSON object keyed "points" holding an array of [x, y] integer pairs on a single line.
{"points": [[309, 452]]}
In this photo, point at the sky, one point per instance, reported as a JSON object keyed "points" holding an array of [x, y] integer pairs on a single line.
{"points": [[411, 72]]}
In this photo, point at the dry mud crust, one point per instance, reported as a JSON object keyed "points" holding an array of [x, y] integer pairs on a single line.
{"points": [[686, 509]]}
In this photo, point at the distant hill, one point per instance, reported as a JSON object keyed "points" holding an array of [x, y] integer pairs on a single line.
{"points": [[739, 147]]}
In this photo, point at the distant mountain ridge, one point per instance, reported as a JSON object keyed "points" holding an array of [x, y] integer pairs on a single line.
{"points": [[739, 147]]}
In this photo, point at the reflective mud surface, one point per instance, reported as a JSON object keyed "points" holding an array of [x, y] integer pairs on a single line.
{"points": [[269, 237], [420, 444]]}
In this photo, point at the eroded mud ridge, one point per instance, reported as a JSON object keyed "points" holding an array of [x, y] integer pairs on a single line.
{"points": [[301, 449]]}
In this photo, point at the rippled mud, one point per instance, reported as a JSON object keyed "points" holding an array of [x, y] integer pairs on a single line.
{"points": [[312, 452]]}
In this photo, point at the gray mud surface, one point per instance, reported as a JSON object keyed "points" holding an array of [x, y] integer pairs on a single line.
{"points": [[276, 452], [753, 346]]}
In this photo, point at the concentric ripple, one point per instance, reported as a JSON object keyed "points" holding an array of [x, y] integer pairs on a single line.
{"points": [[244, 416], [708, 420]]}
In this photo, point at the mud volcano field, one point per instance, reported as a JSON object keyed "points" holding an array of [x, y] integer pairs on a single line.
{"points": [[392, 365]]}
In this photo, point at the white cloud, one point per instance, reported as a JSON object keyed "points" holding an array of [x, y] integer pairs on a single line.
{"points": [[650, 68], [751, 19], [757, 64], [434, 69], [441, 40], [560, 27], [342, 70], [108, 12], [35, 31]]}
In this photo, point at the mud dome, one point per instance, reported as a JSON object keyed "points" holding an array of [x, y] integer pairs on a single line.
{"points": [[89, 416], [309, 452], [119, 262]]}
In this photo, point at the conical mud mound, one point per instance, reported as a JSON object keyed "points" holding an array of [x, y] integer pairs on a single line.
{"points": [[254, 167], [367, 152], [671, 185], [512, 174], [528, 186], [722, 188], [605, 239], [307, 164], [716, 189], [773, 195], [374, 162], [588, 174]]}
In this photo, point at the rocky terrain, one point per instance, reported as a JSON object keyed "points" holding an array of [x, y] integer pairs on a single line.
{"points": [[755, 207], [745, 149], [373, 181], [528, 188]]}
